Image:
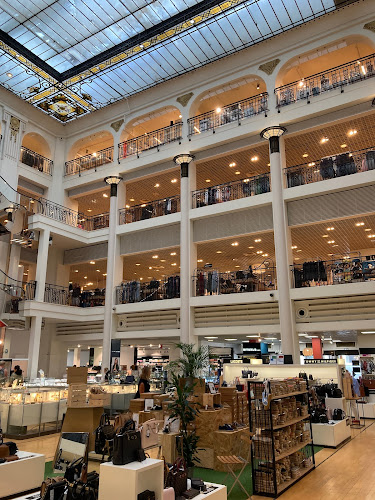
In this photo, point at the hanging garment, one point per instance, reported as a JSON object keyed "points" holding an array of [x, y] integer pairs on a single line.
{"points": [[326, 168]]}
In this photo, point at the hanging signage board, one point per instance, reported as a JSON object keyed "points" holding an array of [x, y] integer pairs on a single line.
{"points": [[320, 361]]}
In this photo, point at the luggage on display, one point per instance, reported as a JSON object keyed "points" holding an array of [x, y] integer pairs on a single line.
{"points": [[177, 477]]}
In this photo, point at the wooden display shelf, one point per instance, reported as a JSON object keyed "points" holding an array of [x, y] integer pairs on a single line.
{"points": [[290, 422], [286, 484], [292, 450], [289, 395]]}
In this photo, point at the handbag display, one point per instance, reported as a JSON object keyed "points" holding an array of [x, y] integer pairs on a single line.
{"points": [[146, 495], [53, 488], [104, 433], [337, 393], [149, 433], [125, 446], [74, 470], [85, 488], [178, 476], [338, 414], [121, 419]]}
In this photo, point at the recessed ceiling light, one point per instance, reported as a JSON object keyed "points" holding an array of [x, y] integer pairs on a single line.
{"points": [[299, 250], [331, 241], [89, 210], [371, 236], [155, 256], [265, 255], [259, 251], [311, 164], [232, 164], [360, 224], [258, 240], [92, 261], [368, 229], [104, 274], [157, 185], [236, 266], [76, 271], [208, 180], [9, 75], [254, 158], [98, 270], [174, 264], [325, 236], [253, 336], [305, 155], [218, 110], [343, 146], [173, 253], [150, 267], [219, 251], [105, 195], [323, 140], [250, 247], [132, 199], [368, 332], [235, 244], [230, 340], [200, 260], [352, 132], [237, 172], [294, 247], [138, 264], [330, 228], [162, 260], [173, 181], [211, 337]]}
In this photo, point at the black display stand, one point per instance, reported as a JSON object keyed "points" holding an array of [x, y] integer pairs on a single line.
{"points": [[282, 448]]}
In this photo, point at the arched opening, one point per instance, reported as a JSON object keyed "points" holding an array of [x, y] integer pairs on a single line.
{"points": [[36, 153], [90, 152], [151, 131], [233, 101], [340, 63]]}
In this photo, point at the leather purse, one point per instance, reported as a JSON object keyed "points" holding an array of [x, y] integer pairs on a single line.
{"points": [[104, 433], [125, 447], [12, 447], [4, 449], [74, 470], [146, 495], [177, 477], [192, 493], [149, 433], [53, 488]]}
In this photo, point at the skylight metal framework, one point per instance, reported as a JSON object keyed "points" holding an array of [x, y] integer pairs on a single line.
{"points": [[70, 58]]}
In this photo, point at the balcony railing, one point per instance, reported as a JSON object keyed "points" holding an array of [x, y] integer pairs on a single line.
{"points": [[335, 78], [89, 162], [212, 282], [150, 140], [61, 295], [139, 291], [70, 217], [331, 167], [149, 210], [229, 191], [35, 160], [333, 272], [235, 112]]}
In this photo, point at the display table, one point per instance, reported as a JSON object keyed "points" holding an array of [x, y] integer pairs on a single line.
{"points": [[330, 434], [334, 403], [219, 494], [22, 475], [131, 479]]}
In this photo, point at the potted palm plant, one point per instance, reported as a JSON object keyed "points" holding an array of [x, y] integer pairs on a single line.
{"points": [[191, 365]]}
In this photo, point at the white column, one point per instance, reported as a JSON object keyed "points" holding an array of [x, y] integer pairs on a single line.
{"points": [[77, 356], [188, 255], [34, 346], [110, 281], [14, 260], [289, 339], [41, 264]]}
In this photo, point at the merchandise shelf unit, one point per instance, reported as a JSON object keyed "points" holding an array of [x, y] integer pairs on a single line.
{"points": [[282, 449]]}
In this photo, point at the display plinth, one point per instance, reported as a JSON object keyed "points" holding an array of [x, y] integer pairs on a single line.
{"points": [[335, 403], [131, 479], [219, 494], [85, 419], [331, 434], [22, 475]]}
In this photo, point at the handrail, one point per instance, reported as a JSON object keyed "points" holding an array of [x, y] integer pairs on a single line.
{"points": [[43, 164], [62, 295], [149, 210], [24, 290], [330, 167], [144, 291], [90, 161], [160, 136], [333, 272], [212, 282], [234, 112], [336, 77], [234, 190]]}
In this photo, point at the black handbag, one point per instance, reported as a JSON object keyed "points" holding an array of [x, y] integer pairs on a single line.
{"points": [[74, 470], [12, 447], [338, 414], [146, 495], [104, 433], [337, 393], [323, 419], [125, 447], [53, 489]]}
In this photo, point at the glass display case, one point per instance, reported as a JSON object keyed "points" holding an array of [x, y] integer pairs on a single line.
{"points": [[32, 409]]}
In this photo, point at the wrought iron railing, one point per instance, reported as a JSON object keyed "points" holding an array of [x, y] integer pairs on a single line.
{"points": [[212, 282], [70, 217], [235, 112], [334, 78], [61, 295], [23, 290], [333, 272], [150, 140], [229, 191], [140, 291], [35, 160], [150, 210], [89, 162], [331, 167]]}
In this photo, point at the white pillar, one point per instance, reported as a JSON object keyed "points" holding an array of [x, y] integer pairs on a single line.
{"points": [[41, 264], [289, 339], [14, 260], [188, 259], [77, 356], [34, 346], [110, 280]]}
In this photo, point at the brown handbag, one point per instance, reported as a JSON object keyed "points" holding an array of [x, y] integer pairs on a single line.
{"points": [[177, 476]]}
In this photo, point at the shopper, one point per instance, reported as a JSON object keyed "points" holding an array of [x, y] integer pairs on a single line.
{"points": [[17, 374], [144, 382]]}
